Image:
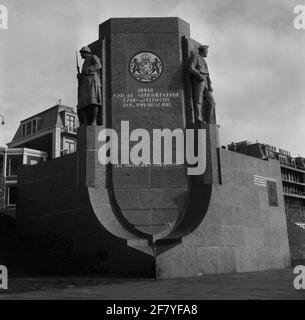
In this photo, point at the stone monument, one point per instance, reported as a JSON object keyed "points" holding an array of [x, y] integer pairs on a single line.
{"points": [[147, 219]]}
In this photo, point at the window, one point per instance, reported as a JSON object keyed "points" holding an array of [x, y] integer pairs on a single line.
{"points": [[2, 193], [34, 126], [283, 160], [23, 130], [13, 164], [1, 165], [11, 195], [70, 123], [69, 146], [33, 160], [29, 127]]}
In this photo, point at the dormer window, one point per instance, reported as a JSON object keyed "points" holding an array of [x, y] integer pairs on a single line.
{"points": [[23, 130], [34, 127], [70, 122], [29, 127]]}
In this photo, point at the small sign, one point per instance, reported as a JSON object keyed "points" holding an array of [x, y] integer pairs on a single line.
{"points": [[272, 194]]}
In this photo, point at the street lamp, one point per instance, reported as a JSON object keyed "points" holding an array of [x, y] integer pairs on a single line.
{"points": [[3, 123]]}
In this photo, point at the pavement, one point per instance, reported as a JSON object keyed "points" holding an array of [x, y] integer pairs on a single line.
{"points": [[266, 285]]}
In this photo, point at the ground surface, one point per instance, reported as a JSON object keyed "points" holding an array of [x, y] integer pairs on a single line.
{"points": [[276, 284]]}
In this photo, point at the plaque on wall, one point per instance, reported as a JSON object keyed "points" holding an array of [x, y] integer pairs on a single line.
{"points": [[272, 194]]}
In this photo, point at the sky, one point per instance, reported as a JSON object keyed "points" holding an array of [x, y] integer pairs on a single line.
{"points": [[256, 60]]}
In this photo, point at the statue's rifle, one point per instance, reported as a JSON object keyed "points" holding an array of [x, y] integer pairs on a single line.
{"points": [[78, 73], [77, 64]]}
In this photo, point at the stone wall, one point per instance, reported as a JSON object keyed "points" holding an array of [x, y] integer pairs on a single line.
{"points": [[241, 232], [58, 225]]}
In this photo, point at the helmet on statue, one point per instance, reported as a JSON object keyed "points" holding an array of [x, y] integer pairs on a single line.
{"points": [[85, 49]]}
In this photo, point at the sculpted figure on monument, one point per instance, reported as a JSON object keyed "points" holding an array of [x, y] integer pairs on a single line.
{"points": [[89, 107], [204, 103]]}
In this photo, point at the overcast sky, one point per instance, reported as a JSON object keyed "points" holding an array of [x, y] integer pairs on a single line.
{"points": [[256, 60]]}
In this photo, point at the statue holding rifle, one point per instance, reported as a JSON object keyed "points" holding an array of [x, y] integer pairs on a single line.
{"points": [[89, 107]]}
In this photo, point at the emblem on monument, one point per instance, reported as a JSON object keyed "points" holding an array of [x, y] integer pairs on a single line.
{"points": [[145, 67]]}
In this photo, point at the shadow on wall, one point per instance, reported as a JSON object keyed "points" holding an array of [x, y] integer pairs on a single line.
{"points": [[55, 254], [12, 253], [45, 254]]}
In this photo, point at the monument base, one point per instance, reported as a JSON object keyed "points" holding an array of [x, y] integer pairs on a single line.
{"points": [[66, 216]]}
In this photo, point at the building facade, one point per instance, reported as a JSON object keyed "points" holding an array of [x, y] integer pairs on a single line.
{"points": [[52, 131], [46, 135], [293, 183], [11, 160]]}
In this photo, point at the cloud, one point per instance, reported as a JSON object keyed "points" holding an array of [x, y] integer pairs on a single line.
{"points": [[256, 61]]}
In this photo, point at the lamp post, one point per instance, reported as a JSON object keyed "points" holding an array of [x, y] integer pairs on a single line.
{"points": [[2, 122]]}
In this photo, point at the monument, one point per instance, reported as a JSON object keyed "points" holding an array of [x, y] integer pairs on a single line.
{"points": [[147, 219]]}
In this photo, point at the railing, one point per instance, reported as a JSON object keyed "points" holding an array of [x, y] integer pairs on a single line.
{"points": [[66, 152], [296, 193], [70, 129], [296, 212]]}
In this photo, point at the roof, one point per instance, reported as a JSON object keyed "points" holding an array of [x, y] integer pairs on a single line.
{"points": [[49, 119], [49, 110]]}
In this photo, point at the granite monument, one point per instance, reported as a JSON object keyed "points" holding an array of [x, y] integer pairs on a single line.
{"points": [[155, 220]]}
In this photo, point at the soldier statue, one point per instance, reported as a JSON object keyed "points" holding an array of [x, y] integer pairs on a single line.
{"points": [[89, 107], [204, 103]]}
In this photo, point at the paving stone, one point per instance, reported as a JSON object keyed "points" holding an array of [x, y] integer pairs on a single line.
{"points": [[267, 285]]}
